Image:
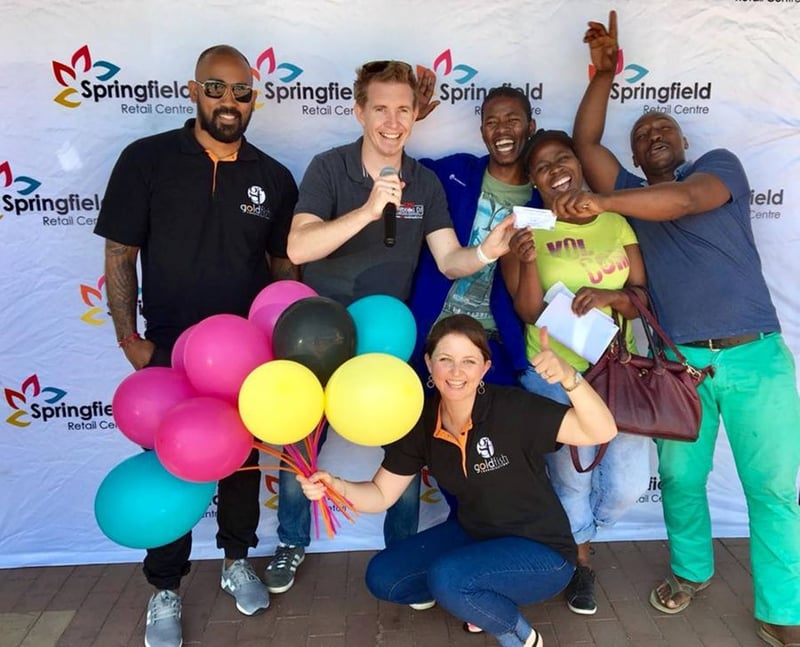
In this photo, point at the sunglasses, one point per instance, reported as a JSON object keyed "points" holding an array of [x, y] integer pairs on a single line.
{"points": [[214, 89], [376, 67]]}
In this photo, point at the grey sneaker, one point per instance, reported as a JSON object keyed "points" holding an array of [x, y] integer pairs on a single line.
{"points": [[279, 575], [163, 620], [241, 581]]}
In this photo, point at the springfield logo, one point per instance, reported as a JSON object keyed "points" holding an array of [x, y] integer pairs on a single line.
{"points": [[21, 184], [65, 210], [86, 79], [93, 298], [95, 305], [669, 99], [457, 85], [30, 402], [491, 462], [766, 205], [281, 85]]}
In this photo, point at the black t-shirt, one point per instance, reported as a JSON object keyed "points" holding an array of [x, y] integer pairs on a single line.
{"points": [[505, 490], [204, 229]]}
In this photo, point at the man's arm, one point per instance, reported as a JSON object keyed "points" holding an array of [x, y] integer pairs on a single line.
{"points": [[122, 288], [282, 269], [600, 166], [455, 261], [312, 238], [698, 193]]}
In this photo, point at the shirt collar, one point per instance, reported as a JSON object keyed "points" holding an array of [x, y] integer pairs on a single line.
{"points": [[357, 172], [190, 145]]}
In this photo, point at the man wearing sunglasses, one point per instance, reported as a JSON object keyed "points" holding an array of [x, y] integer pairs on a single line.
{"points": [[210, 214], [339, 236]]}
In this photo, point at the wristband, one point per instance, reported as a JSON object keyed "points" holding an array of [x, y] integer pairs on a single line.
{"points": [[134, 336], [483, 258]]}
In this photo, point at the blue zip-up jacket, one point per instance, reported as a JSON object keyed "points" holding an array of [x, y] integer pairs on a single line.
{"points": [[461, 176]]}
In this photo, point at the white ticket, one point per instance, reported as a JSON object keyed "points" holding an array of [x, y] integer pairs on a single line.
{"points": [[534, 218]]}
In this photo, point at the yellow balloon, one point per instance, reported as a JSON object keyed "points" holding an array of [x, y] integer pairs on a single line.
{"points": [[281, 402], [373, 399]]}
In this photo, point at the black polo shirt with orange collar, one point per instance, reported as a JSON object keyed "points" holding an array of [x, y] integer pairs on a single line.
{"points": [[496, 467], [204, 226]]}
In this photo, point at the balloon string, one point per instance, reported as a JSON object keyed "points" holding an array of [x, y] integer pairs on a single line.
{"points": [[293, 459]]}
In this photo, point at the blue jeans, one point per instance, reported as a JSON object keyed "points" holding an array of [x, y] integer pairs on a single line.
{"points": [[600, 497], [483, 582], [294, 510]]}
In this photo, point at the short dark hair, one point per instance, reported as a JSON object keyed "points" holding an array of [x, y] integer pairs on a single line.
{"points": [[458, 325], [542, 137], [511, 93], [383, 72], [224, 50]]}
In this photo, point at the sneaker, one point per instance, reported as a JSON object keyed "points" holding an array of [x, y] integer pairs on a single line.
{"points": [[423, 606], [279, 575], [580, 592], [163, 620], [241, 581]]}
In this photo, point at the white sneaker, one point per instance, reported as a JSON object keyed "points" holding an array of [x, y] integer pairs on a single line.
{"points": [[241, 581], [423, 606], [163, 620]]}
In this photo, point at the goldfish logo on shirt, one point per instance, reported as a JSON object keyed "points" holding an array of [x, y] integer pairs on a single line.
{"points": [[257, 197], [492, 461]]}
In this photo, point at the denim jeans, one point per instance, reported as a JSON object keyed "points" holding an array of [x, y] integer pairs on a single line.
{"points": [[294, 510], [483, 582], [600, 497]]}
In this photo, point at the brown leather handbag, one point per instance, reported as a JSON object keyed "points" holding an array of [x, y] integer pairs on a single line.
{"points": [[649, 396]]}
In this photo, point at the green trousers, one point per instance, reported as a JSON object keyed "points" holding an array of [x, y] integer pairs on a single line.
{"points": [[754, 393]]}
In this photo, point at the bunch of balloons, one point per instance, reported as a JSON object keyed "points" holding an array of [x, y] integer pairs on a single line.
{"points": [[297, 359]]}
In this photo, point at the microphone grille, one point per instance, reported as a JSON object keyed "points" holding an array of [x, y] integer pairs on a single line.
{"points": [[388, 170]]}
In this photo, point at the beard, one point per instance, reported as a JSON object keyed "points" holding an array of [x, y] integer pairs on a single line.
{"points": [[224, 133]]}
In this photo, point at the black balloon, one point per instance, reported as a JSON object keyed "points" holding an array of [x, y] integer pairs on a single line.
{"points": [[316, 332]]}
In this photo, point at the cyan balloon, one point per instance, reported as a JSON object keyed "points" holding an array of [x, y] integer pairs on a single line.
{"points": [[140, 504], [384, 324]]}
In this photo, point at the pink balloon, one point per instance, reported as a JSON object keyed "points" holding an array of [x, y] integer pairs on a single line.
{"points": [[265, 317], [203, 439], [178, 349], [285, 292], [221, 351], [143, 398]]}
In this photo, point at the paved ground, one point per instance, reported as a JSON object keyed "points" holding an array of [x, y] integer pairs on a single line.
{"points": [[329, 606]]}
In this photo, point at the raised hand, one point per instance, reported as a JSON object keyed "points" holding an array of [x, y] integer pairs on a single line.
{"points": [[577, 204], [603, 44], [548, 364], [426, 84]]}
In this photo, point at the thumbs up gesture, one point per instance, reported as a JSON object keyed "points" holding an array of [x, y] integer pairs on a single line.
{"points": [[548, 364]]}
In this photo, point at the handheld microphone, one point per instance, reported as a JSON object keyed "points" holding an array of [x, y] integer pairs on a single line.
{"points": [[389, 214]]}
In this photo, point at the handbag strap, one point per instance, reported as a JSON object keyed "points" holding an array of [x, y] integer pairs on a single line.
{"points": [[576, 459], [649, 319]]}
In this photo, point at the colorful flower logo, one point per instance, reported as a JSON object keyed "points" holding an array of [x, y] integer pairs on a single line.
{"points": [[287, 72], [80, 64], [92, 296], [29, 390], [636, 71], [461, 73], [27, 185]]}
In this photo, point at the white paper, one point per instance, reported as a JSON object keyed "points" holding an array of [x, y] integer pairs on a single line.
{"points": [[588, 335], [534, 218]]}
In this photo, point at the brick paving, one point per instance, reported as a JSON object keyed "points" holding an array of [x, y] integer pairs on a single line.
{"points": [[329, 606]]}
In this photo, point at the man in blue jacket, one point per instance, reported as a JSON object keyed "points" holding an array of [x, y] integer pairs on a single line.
{"points": [[481, 191]]}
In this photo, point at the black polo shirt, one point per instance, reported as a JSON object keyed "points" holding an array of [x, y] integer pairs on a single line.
{"points": [[336, 183], [204, 228], [500, 482]]}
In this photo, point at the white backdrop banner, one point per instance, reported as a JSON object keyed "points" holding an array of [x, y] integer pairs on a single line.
{"points": [[81, 80]]}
